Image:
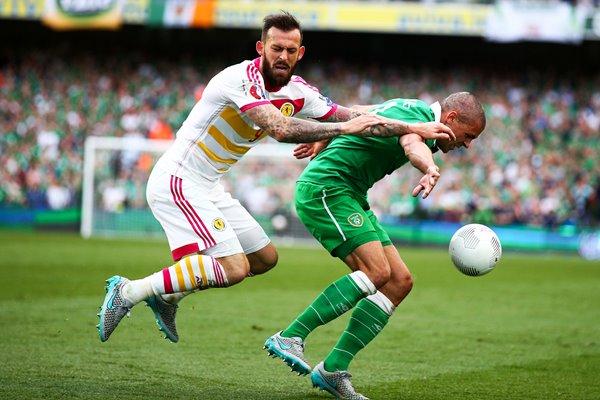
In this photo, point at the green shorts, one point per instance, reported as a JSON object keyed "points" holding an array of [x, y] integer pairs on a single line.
{"points": [[337, 219]]}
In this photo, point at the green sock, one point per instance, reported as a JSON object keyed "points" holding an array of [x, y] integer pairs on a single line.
{"points": [[335, 300], [367, 320]]}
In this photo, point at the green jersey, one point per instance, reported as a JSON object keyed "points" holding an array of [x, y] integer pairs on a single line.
{"points": [[358, 162]]}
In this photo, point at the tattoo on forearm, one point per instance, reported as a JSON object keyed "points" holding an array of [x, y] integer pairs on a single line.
{"points": [[290, 129], [296, 131], [354, 114], [382, 131]]}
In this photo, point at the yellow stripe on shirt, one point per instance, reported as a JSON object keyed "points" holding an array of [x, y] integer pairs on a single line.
{"points": [[238, 124], [215, 157], [225, 143]]}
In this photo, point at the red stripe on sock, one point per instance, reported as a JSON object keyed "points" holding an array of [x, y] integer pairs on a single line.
{"points": [[219, 273], [167, 281]]}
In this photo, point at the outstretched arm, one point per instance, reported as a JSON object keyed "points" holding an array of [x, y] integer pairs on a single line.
{"points": [[296, 130], [394, 127], [421, 157]]}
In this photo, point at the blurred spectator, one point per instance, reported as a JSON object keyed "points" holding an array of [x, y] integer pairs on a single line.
{"points": [[58, 196], [114, 196]]}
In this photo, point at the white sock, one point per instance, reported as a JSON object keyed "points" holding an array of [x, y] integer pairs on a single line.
{"points": [[382, 302], [138, 290], [175, 298], [363, 282]]}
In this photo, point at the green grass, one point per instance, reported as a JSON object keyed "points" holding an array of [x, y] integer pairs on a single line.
{"points": [[528, 330]]}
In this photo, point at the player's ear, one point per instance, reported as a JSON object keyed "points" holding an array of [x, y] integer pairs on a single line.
{"points": [[451, 116], [260, 47], [301, 51]]}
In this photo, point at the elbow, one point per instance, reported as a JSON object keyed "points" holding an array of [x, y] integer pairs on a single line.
{"points": [[409, 153], [412, 149]]}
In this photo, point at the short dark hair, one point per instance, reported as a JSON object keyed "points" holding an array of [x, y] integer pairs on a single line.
{"points": [[467, 106], [283, 21]]}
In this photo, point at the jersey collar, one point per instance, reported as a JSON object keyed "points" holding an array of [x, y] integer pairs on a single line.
{"points": [[437, 116], [437, 111]]}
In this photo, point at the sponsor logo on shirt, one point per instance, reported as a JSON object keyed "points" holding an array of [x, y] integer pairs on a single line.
{"points": [[356, 219]]}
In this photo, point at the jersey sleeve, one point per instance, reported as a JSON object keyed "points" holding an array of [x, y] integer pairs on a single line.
{"points": [[316, 105], [243, 85]]}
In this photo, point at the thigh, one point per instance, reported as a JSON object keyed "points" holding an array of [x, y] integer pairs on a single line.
{"points": [[367, 256], [333, 217], [191, 220], [248, 231], [384, 238]]}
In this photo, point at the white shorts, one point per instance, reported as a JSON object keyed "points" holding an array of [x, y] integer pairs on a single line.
{"points": [[202, 219]]}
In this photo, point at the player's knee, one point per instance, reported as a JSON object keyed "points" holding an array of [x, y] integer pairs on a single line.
{"points": [[406, 284], [236, 269], [263, 261], [398, 288], [238, 273], [403, 284], [380, 274], [268, 262]]}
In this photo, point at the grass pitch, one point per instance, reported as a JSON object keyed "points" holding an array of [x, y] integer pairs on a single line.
{"points": [[528, 330]]}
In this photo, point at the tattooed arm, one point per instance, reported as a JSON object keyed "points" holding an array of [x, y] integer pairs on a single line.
{"points": [[393, 127], [345, 114], [296, 130]]}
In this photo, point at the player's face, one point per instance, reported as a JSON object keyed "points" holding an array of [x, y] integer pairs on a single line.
{"points": [[465, 134], [280, 53]]}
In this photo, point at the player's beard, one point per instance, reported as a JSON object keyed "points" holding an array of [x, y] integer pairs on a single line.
{"points": [[276, 80]]}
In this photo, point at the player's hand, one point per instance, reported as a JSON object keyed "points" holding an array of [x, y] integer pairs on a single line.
{"points": [[433, 130], [311, 150], [362, 124], [427, 182]]}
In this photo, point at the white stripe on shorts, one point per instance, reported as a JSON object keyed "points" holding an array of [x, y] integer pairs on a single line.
{"points": [[331, 215], [189, 212]]}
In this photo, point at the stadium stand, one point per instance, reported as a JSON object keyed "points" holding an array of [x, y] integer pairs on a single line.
{"points": [[536, 164]]}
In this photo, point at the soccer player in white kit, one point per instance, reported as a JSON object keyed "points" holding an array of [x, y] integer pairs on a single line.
{"points": [[214, 241]]}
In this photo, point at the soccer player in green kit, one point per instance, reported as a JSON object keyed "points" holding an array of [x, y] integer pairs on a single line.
{"points": [[331, 201]]}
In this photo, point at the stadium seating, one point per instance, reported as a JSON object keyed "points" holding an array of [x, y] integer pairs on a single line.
{"points": [[535, 164]]}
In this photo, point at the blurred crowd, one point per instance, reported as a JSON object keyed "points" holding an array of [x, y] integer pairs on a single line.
{"points": [[537, 162]]}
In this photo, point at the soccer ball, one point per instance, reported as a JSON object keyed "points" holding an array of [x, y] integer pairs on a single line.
{"points": [[475, 249]]}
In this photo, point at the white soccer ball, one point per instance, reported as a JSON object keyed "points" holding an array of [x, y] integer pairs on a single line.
{"points": [[475, 249]]}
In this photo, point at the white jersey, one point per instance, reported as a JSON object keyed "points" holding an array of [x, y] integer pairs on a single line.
{"points": [[217, 133]]}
